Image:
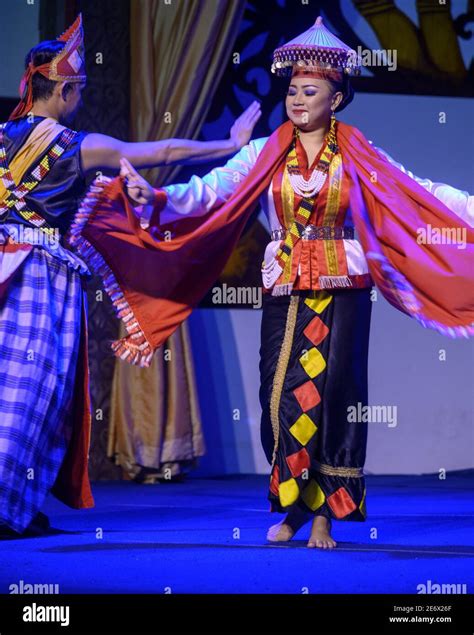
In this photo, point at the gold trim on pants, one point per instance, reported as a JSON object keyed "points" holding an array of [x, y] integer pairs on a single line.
{"points": [[281, 368]]}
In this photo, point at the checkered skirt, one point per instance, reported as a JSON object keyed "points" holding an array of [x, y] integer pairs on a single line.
{"points": [[40, 324]]}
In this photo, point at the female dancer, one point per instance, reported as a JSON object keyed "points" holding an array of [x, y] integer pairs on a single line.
{"points": [[343, 215]]}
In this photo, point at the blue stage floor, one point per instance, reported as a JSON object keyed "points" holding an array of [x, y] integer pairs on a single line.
{"points": [[208, 536]]}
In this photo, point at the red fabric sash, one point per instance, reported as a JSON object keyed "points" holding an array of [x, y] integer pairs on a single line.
{"points": [[72, 486], [431, 282], [26, 89], [155, 284]]}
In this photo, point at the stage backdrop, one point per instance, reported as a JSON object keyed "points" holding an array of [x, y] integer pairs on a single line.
{"points": [[428, 378]]}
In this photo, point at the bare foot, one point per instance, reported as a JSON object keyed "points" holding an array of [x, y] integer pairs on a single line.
{"points": [[321, 534], [287, 528]]}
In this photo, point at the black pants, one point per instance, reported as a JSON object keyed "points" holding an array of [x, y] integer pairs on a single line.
{"points": [[313, 369]]}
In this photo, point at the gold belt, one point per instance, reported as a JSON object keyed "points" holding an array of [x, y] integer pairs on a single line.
{"points": [[319, 232]]}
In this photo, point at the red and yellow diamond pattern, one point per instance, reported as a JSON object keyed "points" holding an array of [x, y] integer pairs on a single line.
{"points": [[307, 396], [300, 483]]}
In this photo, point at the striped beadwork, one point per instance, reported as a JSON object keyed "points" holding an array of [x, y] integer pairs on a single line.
{"points": [[16, 194]]}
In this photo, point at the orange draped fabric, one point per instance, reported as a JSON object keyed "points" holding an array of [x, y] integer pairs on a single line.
{"points": [[431, 282]]}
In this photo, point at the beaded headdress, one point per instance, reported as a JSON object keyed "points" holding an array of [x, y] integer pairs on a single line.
{"points": [[317, 49], [67, 66]]}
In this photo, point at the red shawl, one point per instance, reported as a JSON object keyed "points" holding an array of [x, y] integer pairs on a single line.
{"points": [[154, 285]]}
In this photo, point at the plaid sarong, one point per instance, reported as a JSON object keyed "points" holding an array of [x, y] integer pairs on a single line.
{"points": [[40, 327]]}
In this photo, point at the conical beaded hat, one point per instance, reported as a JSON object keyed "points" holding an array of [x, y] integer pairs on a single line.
{"points": [[315, 48]]}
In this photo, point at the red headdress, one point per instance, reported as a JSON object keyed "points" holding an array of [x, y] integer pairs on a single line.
{"points": [[67, 66]]}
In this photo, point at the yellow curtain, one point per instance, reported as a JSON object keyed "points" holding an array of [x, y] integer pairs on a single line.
{"points": [[155, 423], [178, 54]]}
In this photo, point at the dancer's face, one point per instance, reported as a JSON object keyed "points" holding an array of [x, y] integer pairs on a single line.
{"points": [[309, 101]]}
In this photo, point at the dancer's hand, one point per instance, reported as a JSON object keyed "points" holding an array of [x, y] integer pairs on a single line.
{"points": [[138, 188], [241, 131]]}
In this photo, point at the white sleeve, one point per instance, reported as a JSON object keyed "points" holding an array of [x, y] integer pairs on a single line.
{"points": [[458, 201], [201, 194]]}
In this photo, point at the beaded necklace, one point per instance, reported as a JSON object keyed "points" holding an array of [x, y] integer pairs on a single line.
{"points": [[306, 206]]}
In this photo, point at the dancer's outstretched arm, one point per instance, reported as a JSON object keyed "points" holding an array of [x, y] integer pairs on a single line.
{"points": [[100, 151], [195, 198]]}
